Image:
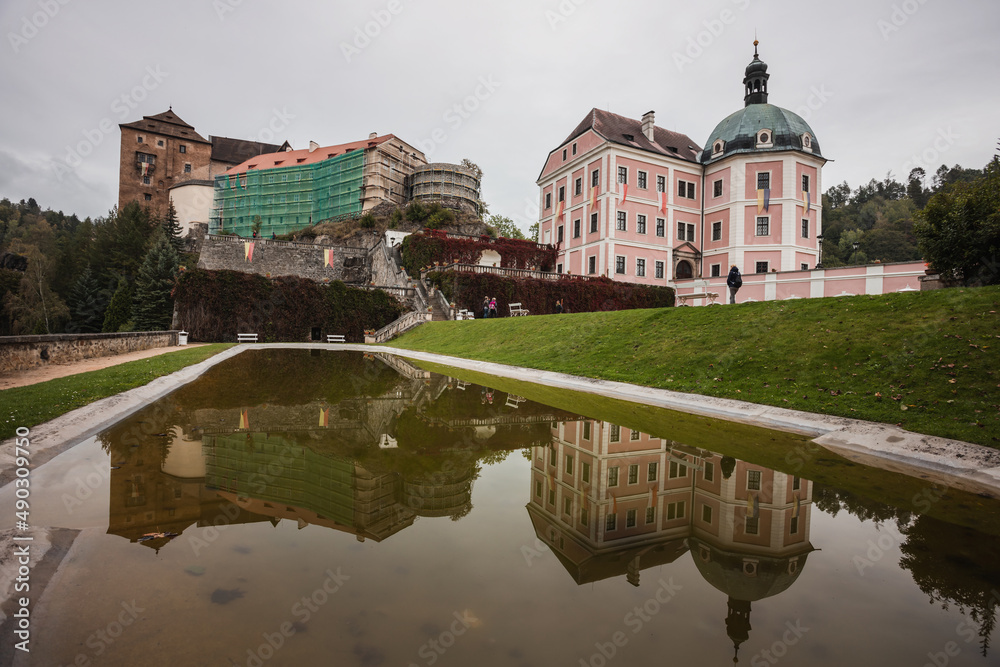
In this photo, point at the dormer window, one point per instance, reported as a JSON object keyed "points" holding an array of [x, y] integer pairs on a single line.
{"points": [[765, 139], [629, 137], [718, 146], [807, 142]]}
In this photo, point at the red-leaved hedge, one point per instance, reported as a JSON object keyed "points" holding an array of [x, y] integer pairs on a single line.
{"points": [[217, 305], [425, 248], [466, 290]]}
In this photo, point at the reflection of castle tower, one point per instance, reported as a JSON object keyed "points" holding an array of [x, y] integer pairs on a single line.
{"points": [[610, 501]]}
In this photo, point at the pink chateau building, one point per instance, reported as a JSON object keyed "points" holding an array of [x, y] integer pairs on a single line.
{"points": [[629, 200]]}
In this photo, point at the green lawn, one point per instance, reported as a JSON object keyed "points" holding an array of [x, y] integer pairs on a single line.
{"points": [[39, 403], [927, 361]]}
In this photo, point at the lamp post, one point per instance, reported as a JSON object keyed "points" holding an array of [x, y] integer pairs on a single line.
{"points": [[854, 257], [819, 247]]}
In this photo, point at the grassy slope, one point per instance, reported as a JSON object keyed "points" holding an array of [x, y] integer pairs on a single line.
{"points": [[39, 403], [933, 356]]}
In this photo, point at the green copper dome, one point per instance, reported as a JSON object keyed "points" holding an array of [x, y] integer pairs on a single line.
{"points": [[740, 132]]}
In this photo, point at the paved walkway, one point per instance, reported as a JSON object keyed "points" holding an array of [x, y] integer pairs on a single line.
{"points": [[53, 371]]}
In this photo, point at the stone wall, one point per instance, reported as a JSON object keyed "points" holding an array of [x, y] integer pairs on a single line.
{"points": [[18, 353], [285, 258]]}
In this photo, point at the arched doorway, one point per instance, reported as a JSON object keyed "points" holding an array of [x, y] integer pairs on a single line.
{"points": [[683, 271]]}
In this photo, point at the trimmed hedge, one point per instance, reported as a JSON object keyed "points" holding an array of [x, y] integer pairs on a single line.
{"points": [[466, 290], [423, 249], [217, 305]]}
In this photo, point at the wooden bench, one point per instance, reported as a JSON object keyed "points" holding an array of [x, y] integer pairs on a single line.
{"points": [[515, 310], [335, 338], [711, 296], [246, 338]]}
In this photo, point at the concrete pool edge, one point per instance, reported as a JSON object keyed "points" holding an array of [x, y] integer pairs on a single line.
{"points": [[958, 464]]}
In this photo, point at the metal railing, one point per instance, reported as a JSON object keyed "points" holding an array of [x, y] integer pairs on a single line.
{"points": [[506, 272]]}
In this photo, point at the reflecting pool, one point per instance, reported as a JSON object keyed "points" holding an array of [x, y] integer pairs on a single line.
{"points": [[307, 507]]}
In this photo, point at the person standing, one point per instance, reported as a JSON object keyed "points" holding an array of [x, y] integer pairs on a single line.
{"points": [[559, 306], [493, 308], [486, 307], [735, 282]]}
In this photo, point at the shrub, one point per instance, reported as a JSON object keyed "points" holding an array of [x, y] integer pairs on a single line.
{"points": [[420, 250], [367, 221]]}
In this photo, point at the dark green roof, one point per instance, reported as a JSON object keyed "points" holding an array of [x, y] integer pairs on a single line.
{"points": [[739, 132]]}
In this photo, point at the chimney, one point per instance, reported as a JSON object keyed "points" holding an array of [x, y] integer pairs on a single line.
{"points": [[313, 146], [647, 125], [373, 135]]}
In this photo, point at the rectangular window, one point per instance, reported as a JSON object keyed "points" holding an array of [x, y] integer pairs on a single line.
{"points": [[661, 227], [552, 496], [640, 224], [183, 148], [612, 522], [717, 231], [796, 483], [634, 435], [548, 200], [650, 514], [805, 182], [592, 265], [595, 178], [804, 266], [661, 183], [146, 180], [640, 267], [761, 267], [576, 229], [574, 149], [559, 234], [805, 228], [709, 472], [752, 526], [619, 264], [616, 433], [633, 473], [659, 269], [578, 187], [641, 180], [585, 516], [717, 188], [623, 174], [586, 473], [568, 506], [586, 426], [677, 470], [538, 488], [621, 222], [763, 180], [558, 268], [160, 143], [630, 519], [562, 193], [685, 231], [613, 476], [690, 231], [793, 529], [675, 510], [753, 480], [685, 189], [569, 465], [593, 223], [652, 470], [564, 155], [138, 139], [187, 167], [706, 513], [716, 270], [147, 197], [763, 225]]}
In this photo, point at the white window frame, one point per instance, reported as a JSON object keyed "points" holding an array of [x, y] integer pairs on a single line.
{"points": [[660, 269], [642, 180], [640, 223], [620, 262], [717, 230], [762, 220], [621, 221], [640, 267]]}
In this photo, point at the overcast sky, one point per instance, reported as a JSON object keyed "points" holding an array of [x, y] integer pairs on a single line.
{"points": [[885, 84]]}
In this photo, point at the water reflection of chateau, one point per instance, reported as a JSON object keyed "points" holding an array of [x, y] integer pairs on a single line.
{"points": [[368, 463], [611, 501]]}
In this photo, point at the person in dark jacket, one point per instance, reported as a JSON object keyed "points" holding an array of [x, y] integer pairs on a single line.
{"points": [[735, 282]]}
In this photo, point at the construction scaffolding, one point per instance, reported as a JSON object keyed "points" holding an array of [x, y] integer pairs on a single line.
{"points": [[289, 197]]}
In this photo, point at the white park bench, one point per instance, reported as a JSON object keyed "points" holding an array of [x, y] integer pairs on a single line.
{"points": [[465, 315], [515, 310], [335, 338], [711, 296], [246, 338]]}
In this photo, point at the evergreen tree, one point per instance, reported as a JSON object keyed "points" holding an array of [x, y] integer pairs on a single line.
{"points": [[86, 304], [172, 229], [116, 317], [152, 303]]}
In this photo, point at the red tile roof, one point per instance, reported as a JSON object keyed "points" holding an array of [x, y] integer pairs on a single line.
{"points": [[304, 156]]}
